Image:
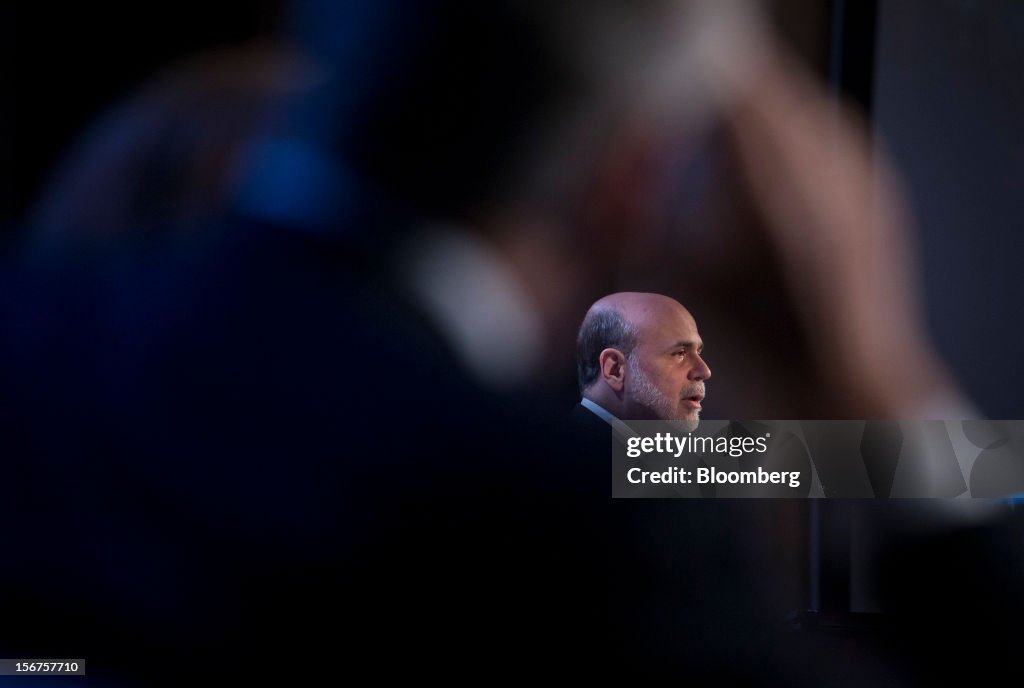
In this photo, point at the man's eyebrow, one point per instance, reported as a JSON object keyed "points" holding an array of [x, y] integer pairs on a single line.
{"points": [[687, 344]]}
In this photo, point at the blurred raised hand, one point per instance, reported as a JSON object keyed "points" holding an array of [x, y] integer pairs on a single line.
{"points": [[835, 213]]}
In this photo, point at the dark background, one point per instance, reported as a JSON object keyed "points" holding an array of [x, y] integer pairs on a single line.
{"points": [[949, 102], [63, 65]]}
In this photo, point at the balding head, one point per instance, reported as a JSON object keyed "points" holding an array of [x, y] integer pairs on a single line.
{"points": [[639, 356]]}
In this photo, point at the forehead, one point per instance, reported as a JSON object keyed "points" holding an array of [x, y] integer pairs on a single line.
{"points": [[668, 324]]}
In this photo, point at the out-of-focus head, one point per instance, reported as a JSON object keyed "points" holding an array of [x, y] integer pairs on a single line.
{"points": [[454, 108], [640, 356], [165, 159], [431, 103]]}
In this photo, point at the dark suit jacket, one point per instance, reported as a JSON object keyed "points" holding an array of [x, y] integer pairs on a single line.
{"points": [[594, 434]]}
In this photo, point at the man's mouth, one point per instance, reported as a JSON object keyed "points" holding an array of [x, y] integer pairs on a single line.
{"points": [[693, 402]]}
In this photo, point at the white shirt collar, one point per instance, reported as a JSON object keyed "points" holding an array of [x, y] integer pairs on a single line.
{"points": [[622, 430], [599, 411]]}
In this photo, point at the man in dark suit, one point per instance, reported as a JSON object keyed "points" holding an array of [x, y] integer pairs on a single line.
{"points": [[680, 594]]}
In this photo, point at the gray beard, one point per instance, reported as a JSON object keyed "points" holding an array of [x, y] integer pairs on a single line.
{"points": [[647, 394]]}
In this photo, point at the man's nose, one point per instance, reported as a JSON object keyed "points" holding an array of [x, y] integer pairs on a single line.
{"points": [[700, 370]]}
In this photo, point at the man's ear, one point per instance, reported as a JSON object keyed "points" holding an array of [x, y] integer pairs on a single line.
{"points": [[613, 368]]}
